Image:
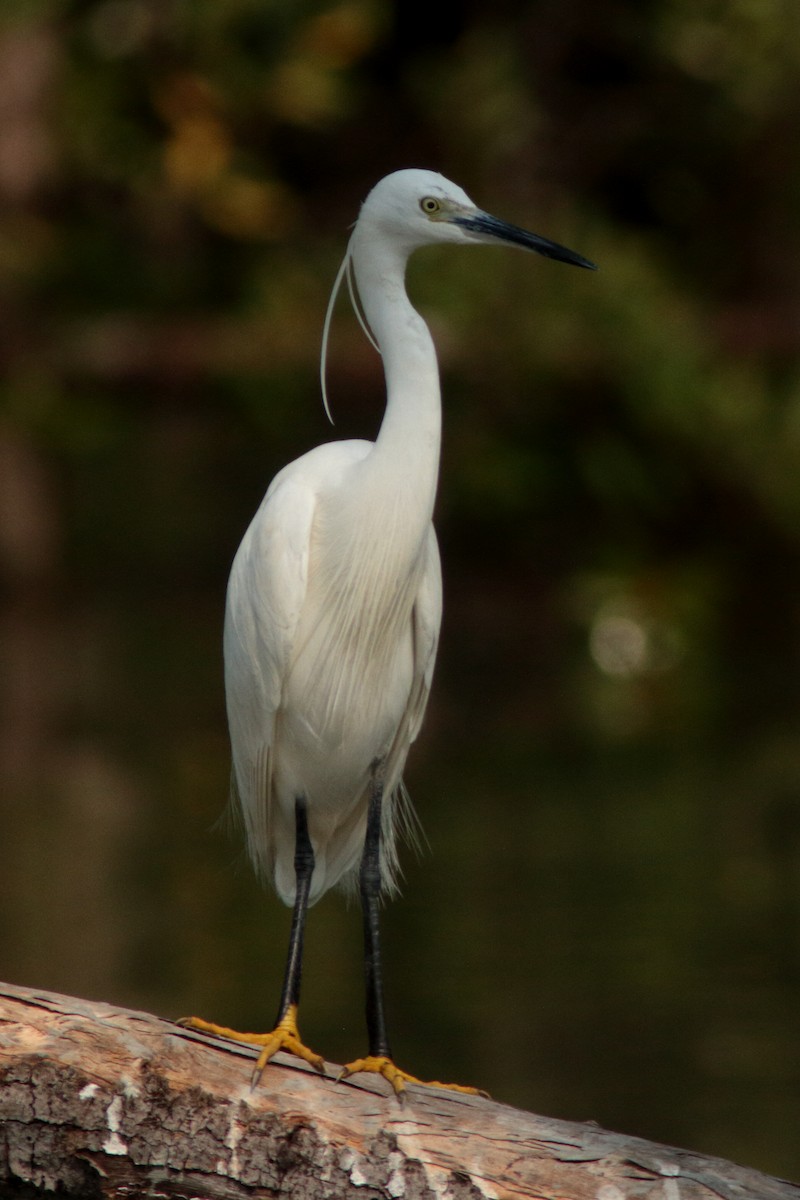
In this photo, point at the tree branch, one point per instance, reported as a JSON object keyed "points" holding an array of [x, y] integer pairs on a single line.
{"points": [[99, 1102]]}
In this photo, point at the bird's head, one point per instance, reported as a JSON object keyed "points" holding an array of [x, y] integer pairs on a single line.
{"points": [[414, 208], [418, 208]]}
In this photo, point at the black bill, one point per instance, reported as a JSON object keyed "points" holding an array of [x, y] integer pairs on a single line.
{"points": [[486, 226]]}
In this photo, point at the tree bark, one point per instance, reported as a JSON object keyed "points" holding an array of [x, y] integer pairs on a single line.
{"points": [[99, 1102]]}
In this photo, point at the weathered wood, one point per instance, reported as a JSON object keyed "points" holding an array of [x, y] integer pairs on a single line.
{"points": [[101, 1102]]}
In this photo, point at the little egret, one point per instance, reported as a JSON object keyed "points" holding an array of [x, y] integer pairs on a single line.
{"points": [[333, 611]]}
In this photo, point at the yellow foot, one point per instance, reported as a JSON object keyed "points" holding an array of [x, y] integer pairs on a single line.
{"points": [[283, 1037], [381, 1065]]}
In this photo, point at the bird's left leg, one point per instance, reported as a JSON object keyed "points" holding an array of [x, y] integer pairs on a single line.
{"points": [[379, 1059], [285, 1035]]}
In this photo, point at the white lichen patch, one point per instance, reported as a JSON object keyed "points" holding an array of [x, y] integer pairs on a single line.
{"points": [[357, 1176], [130, 1088], [114, 1143], [88, 1092], [347, 1158], [396, 1185], [352, 1164], [232, 1139]]}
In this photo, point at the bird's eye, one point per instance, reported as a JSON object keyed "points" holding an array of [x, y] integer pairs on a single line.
{"points": [[429, 205]]}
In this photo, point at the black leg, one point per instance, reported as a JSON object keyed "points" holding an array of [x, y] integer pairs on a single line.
{"points": [[285, 1036], [379, 1059], [303, 870], [370, 887]]}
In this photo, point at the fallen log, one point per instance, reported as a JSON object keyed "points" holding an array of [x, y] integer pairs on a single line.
{"points": [[98, 1102]]}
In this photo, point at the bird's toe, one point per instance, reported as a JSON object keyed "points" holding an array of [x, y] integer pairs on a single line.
{"points": [[379, 1064], [285, 1036]]}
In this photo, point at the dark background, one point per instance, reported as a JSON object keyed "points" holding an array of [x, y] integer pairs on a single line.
{"points": [[607, 924]]}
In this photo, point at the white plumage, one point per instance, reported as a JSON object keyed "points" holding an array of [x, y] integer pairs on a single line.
{"points": [[330, 639], [333, 612]]}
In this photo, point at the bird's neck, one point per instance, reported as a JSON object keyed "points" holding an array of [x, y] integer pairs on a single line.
{"points": [[406, 450]]}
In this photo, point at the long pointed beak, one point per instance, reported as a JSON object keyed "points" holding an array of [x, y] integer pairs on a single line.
{"points": [[493, 229]]}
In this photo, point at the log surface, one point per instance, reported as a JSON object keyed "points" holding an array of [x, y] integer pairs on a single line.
{"points": [[101, 1102]]}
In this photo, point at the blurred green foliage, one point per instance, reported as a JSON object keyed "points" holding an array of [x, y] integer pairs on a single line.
{"points": [[609, 923]]}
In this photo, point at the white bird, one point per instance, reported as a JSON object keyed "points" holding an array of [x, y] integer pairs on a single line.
{"points": [[333, 612]]}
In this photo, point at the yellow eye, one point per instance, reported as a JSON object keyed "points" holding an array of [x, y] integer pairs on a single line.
{"points": [[429, 205]]}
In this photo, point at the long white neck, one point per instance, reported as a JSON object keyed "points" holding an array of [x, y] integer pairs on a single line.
{"points": [[406, 452]]}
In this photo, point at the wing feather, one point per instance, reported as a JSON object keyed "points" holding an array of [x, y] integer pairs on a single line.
{"points": [[266, 591], [400, 820], [427, 622]]}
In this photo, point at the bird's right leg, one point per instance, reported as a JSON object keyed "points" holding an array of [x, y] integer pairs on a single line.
{"points": [[285, 1035]]}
